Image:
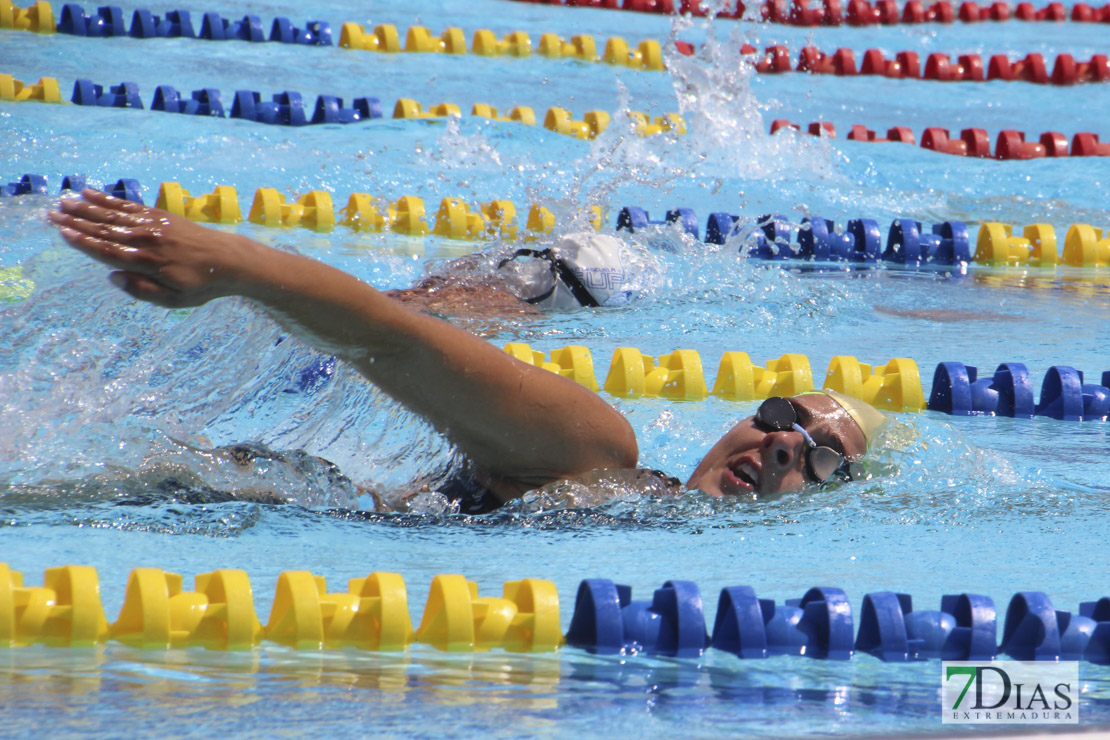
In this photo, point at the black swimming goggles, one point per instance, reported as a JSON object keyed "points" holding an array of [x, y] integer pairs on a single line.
{"points": [[560, 271], [779, 415]]}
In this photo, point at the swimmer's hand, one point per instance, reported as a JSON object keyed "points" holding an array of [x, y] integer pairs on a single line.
{"points": [[156, 256]]}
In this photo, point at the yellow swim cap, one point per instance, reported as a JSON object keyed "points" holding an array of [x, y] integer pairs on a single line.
{"points": [[864, 414]]}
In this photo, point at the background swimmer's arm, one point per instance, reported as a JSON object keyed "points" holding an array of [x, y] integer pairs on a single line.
{"points": [[523, 425]]}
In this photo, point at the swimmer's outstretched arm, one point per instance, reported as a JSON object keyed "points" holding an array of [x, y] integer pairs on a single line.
{"points": [[523, 425]]}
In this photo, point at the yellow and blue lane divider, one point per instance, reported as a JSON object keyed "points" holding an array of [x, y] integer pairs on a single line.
{"points": [[647, 55], [373, 614], [288, 108], [679, 375], [771, 237], [893, 386], [909, 243], [109, 21], [454, 218]]}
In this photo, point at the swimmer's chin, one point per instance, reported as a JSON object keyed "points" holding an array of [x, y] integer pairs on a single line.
{"points": [[724, 483], [711, 492], [732, 493]]}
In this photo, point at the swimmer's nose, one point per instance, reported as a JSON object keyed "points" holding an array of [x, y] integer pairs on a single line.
{"points": [[781, 450]]}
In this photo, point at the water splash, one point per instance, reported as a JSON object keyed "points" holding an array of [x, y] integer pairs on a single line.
{"points": [[725, 151], [126, 398]]}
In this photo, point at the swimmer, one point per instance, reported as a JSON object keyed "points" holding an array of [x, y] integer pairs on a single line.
{"points": [[584, 269], [518, 427]]}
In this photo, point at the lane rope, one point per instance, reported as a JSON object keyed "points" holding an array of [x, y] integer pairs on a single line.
{"points": [[770, 237], [373, 614], [939, 67], [857, 12], [972, 142], [288, 108]]}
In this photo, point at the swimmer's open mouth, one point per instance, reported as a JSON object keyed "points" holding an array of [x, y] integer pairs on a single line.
{"points": [[747, 473]]}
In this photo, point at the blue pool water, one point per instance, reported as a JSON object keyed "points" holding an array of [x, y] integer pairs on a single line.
{"points": [[101, 398]]}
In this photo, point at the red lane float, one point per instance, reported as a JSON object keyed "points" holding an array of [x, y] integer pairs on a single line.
{"points": [[900, 134], [1088, 145], [971, 142], [938, 66], [859, 12]]}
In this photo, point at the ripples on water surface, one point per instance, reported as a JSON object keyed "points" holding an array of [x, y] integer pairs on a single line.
{"points": [[124, 424]]}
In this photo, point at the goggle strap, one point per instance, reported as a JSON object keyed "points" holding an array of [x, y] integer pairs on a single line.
{"points": [[562, 271], [546, 254], [580, 292]]}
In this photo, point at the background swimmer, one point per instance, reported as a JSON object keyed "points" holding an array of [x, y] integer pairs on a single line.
{"points": [[581, 269], [518, 426]]}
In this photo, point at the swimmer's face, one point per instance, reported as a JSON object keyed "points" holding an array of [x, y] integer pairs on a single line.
{"points": [[750, 460]]}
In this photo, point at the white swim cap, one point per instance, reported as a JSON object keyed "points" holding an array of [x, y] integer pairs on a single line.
{"points": [[583, 269]]}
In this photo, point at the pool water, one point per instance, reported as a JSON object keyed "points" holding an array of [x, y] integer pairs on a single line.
{"points": [[104, 399]]}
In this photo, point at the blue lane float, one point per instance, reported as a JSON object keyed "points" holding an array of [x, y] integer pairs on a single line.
{"points": [[127, 189], [1065, 396], [214, 27], [958, 391], [123, 95], [632, 218], [27, 185], [822, 243], [1037, 631], [315, 33], [286, 108], [329, 109], [774, 237], [74, 183], [819, 625], [205, 102], [907, 243], [963, 629], [606, 620], [719, 227], [177, 24], [109, 21]]}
